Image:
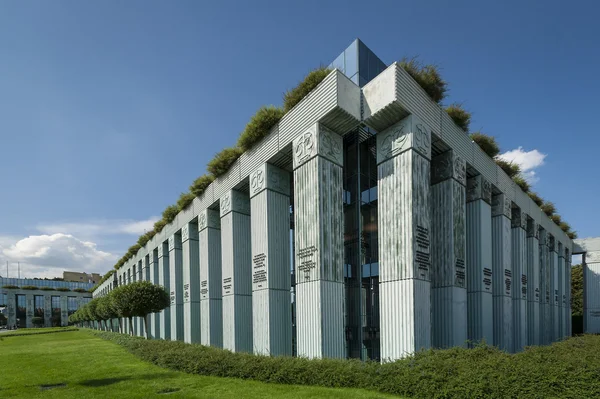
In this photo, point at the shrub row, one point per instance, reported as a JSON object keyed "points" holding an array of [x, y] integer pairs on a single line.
{"points": [[38, 331], [567, 369]]}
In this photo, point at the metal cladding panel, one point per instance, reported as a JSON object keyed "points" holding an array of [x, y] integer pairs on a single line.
{"points": [[176, 290], [164, 321], [405, 318], [191, 322], [29, 310], [560, 294], [448, 235], [318, 103], [205, 200], [448, 317], [272, 322], [522, 200], [210, 264], [237, 323], [47, 310], [380, 109], [591, 296], [319, 224], [228, 181], [519, 289], [544, 293], [64, 310], [506, 185], [502, 283], [260, 153], [554, 297], [320, 334], [485, 165], [404, 217], [533, 291], [479, 247], [480, 317], [12, 307], [270, 214], [456, 138], [211, 324], [186, 216], [191, 284]]}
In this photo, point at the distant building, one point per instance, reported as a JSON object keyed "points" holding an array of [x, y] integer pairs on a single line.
{"points": [[81, 277]]}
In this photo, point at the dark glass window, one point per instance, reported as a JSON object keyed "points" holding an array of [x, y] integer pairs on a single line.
{"points": [[21, 311]]}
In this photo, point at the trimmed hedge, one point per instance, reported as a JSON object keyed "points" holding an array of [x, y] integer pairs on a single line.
{"points": [[47, 289], [260, 126], [201, 184], [487, 143], [461, 118], [10, 287], [312, 80], [565, 369], [82, 290], [223, 160], [65, 289], [38, 331], [427, 76], [30, 287]]}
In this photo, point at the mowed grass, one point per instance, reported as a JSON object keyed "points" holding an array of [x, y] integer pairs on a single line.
{"points": [[79, 365]]}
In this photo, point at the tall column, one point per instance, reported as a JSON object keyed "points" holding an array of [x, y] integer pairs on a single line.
{"points": [[544, 287], [11, 304], [271, 300], [147, 277], [502, 271], [519, 272], [480, 313], [191, 283], [47, 310], [64, 310], [29, 310], [533, 283], [318, 243], [153, 269], [403, 155], [236, 258], [448, 241], [211, 294], [553, 279], [164, 320], [560, 294], [568, 320], [176, 284]]}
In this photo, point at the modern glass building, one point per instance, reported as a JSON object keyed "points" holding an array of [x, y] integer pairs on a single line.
{"points": [[405, 235]]}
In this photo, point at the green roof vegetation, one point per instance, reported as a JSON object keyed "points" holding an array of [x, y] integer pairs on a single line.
{"points": [[461, 118], [486, 143], [427, 76], [223, 160], [259, 126], [312, 80]]}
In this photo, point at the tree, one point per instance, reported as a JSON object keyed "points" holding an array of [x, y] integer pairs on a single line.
{"points": [[139, 299], [106, 310], [37, 321], [91, 310], [577, 290], [2, 319]]}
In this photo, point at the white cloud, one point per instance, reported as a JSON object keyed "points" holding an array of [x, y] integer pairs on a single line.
{"points": [[527, 160], [92, 229], [50, 255]]}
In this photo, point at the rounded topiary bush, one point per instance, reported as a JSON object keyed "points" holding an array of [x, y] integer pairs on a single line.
{"points": [[222, 161], [185, 200], [461, 118], [486, 143], [427, 76], [510, 168], [312, 80], [522, 183], [259, 126], [37, 321], [548, 208], [201, 184], [30, 287], [536, 198]]}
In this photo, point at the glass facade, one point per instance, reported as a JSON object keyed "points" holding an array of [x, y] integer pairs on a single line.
{"points": [[72, 305], [56, 317], [21, 311], [3, 299], [38, 306], [359, 63], [19, 282]]}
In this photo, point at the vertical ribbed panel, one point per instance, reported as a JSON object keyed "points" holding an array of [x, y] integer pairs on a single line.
{"points": [[560, 293], [480, 315], [591, 299], [191, 285], [545, 322], [404, 309], [568, 298], [271, 299], [176, 284], [519, 291], [211, 313], [502, 283], [64, 310], [164, 321], [533, 291], [47, 310], [554, 295], [448, 273], [236, 256], [319, 259], [29, 310]]}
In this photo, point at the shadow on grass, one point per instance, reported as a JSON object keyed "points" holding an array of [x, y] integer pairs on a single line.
{"points": [[102, 382]]}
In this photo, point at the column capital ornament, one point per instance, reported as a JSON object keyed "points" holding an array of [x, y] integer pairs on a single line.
{"points": [[318, 140], [209, 218], [519, 219], [501, 205], [409, 133], [269, 177], [533, 229], [448, 166], [234, 201], [479, 188], [189, 231]]}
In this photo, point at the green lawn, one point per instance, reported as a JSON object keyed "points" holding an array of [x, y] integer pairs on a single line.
{"points": [[90, 367]]}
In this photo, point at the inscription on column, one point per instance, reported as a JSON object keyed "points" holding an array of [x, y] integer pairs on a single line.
{"points": [[204, 289], [507, 281], [259, 272], [227, 285], [487, 279], [460, 273], [523, 286], [172, 297], [186, 293], [422, 257], [307, 261]]}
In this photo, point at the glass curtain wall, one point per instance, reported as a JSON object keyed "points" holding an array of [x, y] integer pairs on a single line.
{"points": [[38, 306], [361, 267], [56, 317], [21, 311]]}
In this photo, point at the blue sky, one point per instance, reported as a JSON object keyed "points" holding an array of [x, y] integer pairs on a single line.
{"points": [[110, 109]]}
